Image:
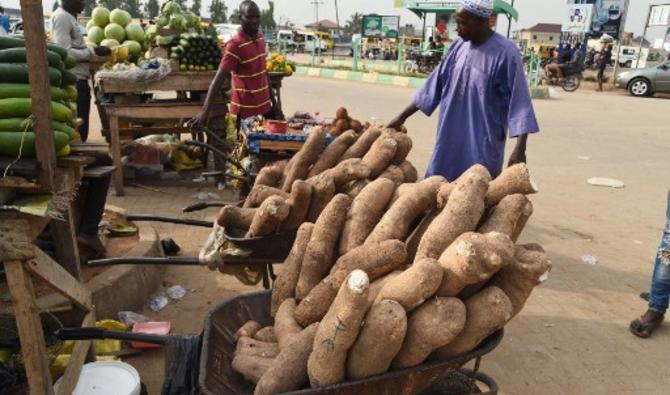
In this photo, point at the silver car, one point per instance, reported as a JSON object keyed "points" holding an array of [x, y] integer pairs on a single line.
{"points": [[646, 82]]}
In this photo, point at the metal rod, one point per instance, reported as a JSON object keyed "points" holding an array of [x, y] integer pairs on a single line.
{"points": [[170, 260], [180, 221], [99, 334], [509, 18], [217, 151]]}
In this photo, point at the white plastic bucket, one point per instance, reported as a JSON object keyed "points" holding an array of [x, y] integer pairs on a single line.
{"points": [[106, 378]]}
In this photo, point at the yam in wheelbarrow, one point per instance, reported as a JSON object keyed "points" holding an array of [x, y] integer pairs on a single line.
{"points": [[218, 346]]}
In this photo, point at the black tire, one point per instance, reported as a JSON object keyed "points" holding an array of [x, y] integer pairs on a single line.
{"points": [[639, 87], [571, 83]]}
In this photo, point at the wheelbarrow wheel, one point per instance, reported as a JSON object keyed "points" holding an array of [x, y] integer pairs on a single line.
{"points": [[459, 382]]}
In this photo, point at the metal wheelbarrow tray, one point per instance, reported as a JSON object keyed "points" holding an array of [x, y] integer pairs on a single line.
{"points": [[216, 376]]}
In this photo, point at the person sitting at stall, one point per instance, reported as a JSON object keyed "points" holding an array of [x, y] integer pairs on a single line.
{"points": [[244, 60], [68, 33]]}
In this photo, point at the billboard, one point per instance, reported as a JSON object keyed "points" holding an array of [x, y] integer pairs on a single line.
{"points": [[659, 15], [610, 18], [381, 26], [579, 18]]}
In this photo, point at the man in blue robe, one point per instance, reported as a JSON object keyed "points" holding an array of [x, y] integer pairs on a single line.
{"points": [[482, 93]]}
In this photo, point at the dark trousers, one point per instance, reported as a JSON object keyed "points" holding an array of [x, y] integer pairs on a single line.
{"points": [[83, 106], [94, 192]]}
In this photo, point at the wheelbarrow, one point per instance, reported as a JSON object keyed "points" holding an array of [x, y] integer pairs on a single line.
{"points": [[203, 364]]}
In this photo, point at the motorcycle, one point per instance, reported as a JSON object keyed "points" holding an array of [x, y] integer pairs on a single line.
{"points": [[420, 62], [570, 82]]}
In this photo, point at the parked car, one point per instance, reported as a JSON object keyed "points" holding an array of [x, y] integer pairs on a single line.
{"points": [[646, 82]]}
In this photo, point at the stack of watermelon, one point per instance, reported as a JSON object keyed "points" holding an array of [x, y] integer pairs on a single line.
{"points": [[16, 104]]}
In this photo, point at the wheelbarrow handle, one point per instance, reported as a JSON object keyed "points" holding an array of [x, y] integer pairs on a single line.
{"points": [[92, 333], [203, 205], [170, 260], [171, 220]]}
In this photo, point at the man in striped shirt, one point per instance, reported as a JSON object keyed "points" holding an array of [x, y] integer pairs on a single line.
{"points": [[244, 60]]}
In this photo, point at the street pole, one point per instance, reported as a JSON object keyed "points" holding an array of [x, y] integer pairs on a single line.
{"points": [[509, 26], [644, 34]]}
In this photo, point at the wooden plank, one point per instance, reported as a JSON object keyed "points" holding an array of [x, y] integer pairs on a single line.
{"points": [[271, 145], [116, 154], [33, 24], [172, 111], [178, 81], [71, 376], [99, 171], [33, 347], [64, 234], [59, 279]]}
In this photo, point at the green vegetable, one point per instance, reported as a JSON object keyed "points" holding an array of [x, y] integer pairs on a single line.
{"points": [[19, 125], [8, 90], [18, 55], [11, 42], [120, 17], [101, 16], [18, 73], [22, 107], [135, 32], [164, 41], [96, 35], [178, 22], [69, 62], [171, 8], [58, 49], [109, 43], [115, 32], [10, 143], [70, 92], [90, 24], [134, 48], [69, 78], [162, 21]]}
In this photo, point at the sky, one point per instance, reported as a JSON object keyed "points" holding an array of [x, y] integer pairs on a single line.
{"points": [[530, 12]]}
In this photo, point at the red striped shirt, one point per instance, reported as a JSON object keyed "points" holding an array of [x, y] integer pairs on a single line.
{"points": [[245, 59]]}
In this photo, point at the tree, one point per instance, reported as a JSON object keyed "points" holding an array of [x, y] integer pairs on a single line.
{"points": [[88, 8], [268, 17], [133, 7], [111, 4], [182, 3], [354, 25], [152, 8], [196, 7], [218, 11], [235, 17]]}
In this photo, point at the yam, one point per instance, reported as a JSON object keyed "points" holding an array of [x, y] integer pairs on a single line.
{"points": [[404, 145], [380, 155], [333, 152], [474, 258], [323, 190], [299, 165], [288, 371], [529, 269], [443, 194], [256, 348], [299, 201], [431, 326], [341, 113], [376, 260], [272, 212], [319, 256], [365, 211], [410, 173], [377, 285], [251, 367], [259, 193], [363, 144], [393, 173], [356, 125], [285, 324], [396, 221], [515, 179], [415, 285], [271, 175], [415, 237], [347, 171], [236, 217], [461, 214], [249, 329], [338, 331], [509, 217], [487, 311], [354, 188], [379, 341], [287, 279], [266, 334]]}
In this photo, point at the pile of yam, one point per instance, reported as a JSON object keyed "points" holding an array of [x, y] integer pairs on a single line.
{"points": [[391, 272]]}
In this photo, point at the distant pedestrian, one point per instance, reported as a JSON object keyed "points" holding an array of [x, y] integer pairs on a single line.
{"points": [[603, 61], [4, 22], [660, 287]]}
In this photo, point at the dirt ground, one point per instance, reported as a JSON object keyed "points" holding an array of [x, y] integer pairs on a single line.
{"points": [[572, 337]]}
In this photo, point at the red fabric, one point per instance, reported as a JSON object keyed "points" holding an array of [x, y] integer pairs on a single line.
{"points": [[245, 59]]}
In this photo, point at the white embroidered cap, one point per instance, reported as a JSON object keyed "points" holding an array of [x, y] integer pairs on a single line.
{"points": [[482, 8]]}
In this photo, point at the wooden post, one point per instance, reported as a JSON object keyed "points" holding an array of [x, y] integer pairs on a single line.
{"points": [[33, 25], [28, 323]]}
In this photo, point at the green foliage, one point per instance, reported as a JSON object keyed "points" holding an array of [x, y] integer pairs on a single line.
{"points": [[218, 11], [152, 8], [88, 8], [354, 24], [268, 17], [196, 7], [235, 17]]}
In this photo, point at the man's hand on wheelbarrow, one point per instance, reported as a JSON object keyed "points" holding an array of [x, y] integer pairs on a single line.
{"points": [[198, 122]]}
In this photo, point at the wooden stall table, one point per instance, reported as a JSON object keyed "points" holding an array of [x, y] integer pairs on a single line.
{"points": [[158, 110]]}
